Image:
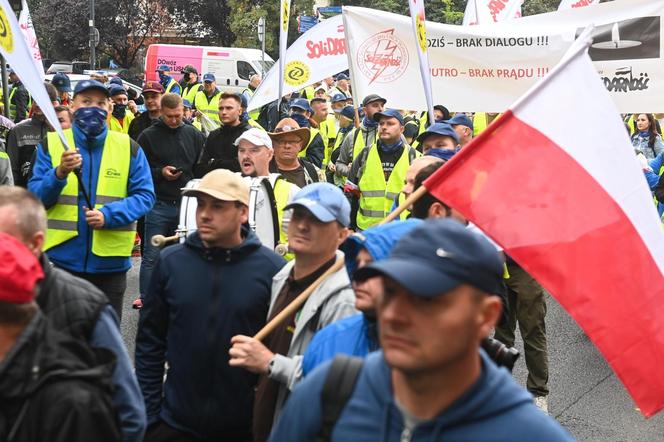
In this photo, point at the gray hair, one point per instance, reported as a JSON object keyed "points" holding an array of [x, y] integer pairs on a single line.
{"points": [[30, 212]]}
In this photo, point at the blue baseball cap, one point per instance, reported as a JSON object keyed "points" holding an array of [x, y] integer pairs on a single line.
{"points": [[61, 82], [439, 129], [86, 85], [163, 68], [116, 90], [460, 119], [389, 113], [438, 256], [209, 77], [116, 80], [348, 112], [325, 201], [186, 103], [342, 76], [338, 97], [300, 103]]}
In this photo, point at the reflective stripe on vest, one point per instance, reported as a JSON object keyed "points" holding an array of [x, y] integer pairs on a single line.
{"points": [[208, 107], [377, 196], [170, 85], [312, 134], [111, 186], [190, 92], [281, 193]]}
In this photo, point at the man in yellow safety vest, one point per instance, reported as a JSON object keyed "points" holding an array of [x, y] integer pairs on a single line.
{"points": [[168, 82], [92, 214], [120, 118], [206, 101]]}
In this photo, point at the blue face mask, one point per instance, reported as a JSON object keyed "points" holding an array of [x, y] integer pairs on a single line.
{"points": [[162, 77], [91, 120], [301, 119]]}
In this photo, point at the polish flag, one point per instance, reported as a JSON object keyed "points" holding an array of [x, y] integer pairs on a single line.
{"points": [[570, 4], [556, 183]]}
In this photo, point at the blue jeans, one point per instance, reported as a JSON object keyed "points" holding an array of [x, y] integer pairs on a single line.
{"points": [[161, 220]]}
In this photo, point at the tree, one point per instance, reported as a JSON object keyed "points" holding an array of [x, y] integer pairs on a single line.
{"points": [[206, 19], [61, 28]]}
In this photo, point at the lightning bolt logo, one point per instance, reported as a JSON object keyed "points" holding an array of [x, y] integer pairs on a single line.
{"points": [[381, 57]]}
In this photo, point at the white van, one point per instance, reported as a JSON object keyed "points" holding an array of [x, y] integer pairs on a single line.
{"points": [[232, 67]]}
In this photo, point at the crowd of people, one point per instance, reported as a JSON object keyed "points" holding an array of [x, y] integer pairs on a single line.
{"points": [[409, 302]]}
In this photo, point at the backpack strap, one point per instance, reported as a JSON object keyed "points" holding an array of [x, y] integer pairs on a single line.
{"points": [[337, 390]]}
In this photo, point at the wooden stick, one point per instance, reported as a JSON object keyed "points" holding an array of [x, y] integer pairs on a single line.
{"points": [[297, 302], [403, 206], [161, 240]]}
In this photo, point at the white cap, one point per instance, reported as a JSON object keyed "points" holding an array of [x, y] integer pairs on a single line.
{"points": [[255, 136]]}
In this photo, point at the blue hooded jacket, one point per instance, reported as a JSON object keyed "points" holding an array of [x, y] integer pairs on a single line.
{"points": [[357, 334], [495, 408], [76, 254]]}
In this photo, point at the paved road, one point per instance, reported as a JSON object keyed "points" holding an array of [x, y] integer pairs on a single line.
{"points": [[585, 397]]}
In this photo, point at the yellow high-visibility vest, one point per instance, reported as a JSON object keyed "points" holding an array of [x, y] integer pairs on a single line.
{"points": [[208, 107], [172, 84], [358, 141], [256, 112], [282, 190], [312, 134], [376, 195], [328, 132], [111, 186], [115, 126], [12, 106], [189, 92]]}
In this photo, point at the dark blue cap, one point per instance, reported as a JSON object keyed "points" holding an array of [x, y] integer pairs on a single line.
{"points": [[325, 201], [116, 80], [186, 103], [338, 97], [443, 154], [342, 76], [88, 85], [438, 256], [389, 113], [348, 112], [300, 103], [209, 77], [162, 68], [116, 90], [439, 129], [61, 82], [461, 119]]}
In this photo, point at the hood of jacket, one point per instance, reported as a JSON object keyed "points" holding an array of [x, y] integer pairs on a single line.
{"points": [[250, 243], [42, 355], [493, 394]]}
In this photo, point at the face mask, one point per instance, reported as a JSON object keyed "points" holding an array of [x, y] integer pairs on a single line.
{"points": [[301, 120], [187, 77], [91, 120], [161, 76], [119, 111]]}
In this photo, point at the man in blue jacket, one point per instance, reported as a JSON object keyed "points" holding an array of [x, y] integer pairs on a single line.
{"points": [[203, 292], [357, 334], [431, 381], [93, 243]]}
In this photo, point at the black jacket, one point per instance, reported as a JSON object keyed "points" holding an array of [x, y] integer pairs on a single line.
{"points": [[22, 142], [164, 146], [20, 99], [72, 305], [55, 388], [198, 299], [220, 151], [139, 124]]}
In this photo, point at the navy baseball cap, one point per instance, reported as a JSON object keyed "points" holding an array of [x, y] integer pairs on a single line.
{"points": [[438, 256], [461, 119], [86, 85], [186, 103], [209, 77], [348, 112], [300, 103], [439, 129], [116, 90], [61, 82], [389, 113], [116, 80], [325, 201], [338, 97], [163, 68], [342, 76]]}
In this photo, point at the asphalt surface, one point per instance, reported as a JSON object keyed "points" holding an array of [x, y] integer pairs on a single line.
{"points": [[585, 396]]}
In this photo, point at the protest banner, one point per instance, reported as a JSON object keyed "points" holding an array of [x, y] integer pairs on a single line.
{"points": [[481, 12], [284, 17], [485, 68], [569, 4], [25, 23], [318, 53], [418, 18]]}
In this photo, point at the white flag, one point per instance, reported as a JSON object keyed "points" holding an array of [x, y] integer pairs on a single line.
{"points": [[284, 16], [418, 18], [19, 56], [569, 4], [25, 23], [481, 12]]}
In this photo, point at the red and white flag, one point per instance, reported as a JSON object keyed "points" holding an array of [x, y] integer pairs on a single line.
{"points": [[28, 30], [556, 183], [569, 4], [482, 12]]}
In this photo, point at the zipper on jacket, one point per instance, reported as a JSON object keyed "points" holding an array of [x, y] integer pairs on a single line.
{"points": [[406, 435]]}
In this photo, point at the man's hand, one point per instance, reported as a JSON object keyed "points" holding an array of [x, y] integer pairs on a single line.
{"points": [[250, 354], [170, 173], [331, 167], [94, 218], [133, 108], [69, 160]]}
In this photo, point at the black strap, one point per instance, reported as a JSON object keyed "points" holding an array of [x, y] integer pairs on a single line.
{"points": [[337, 390]]}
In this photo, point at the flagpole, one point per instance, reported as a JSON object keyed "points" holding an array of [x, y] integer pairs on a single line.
{"points": [[418, 17], [356, 100], [284, 17], [5, 86]]}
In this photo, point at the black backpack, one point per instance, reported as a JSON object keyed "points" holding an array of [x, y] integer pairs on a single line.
{"points": [[337, 390]]}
